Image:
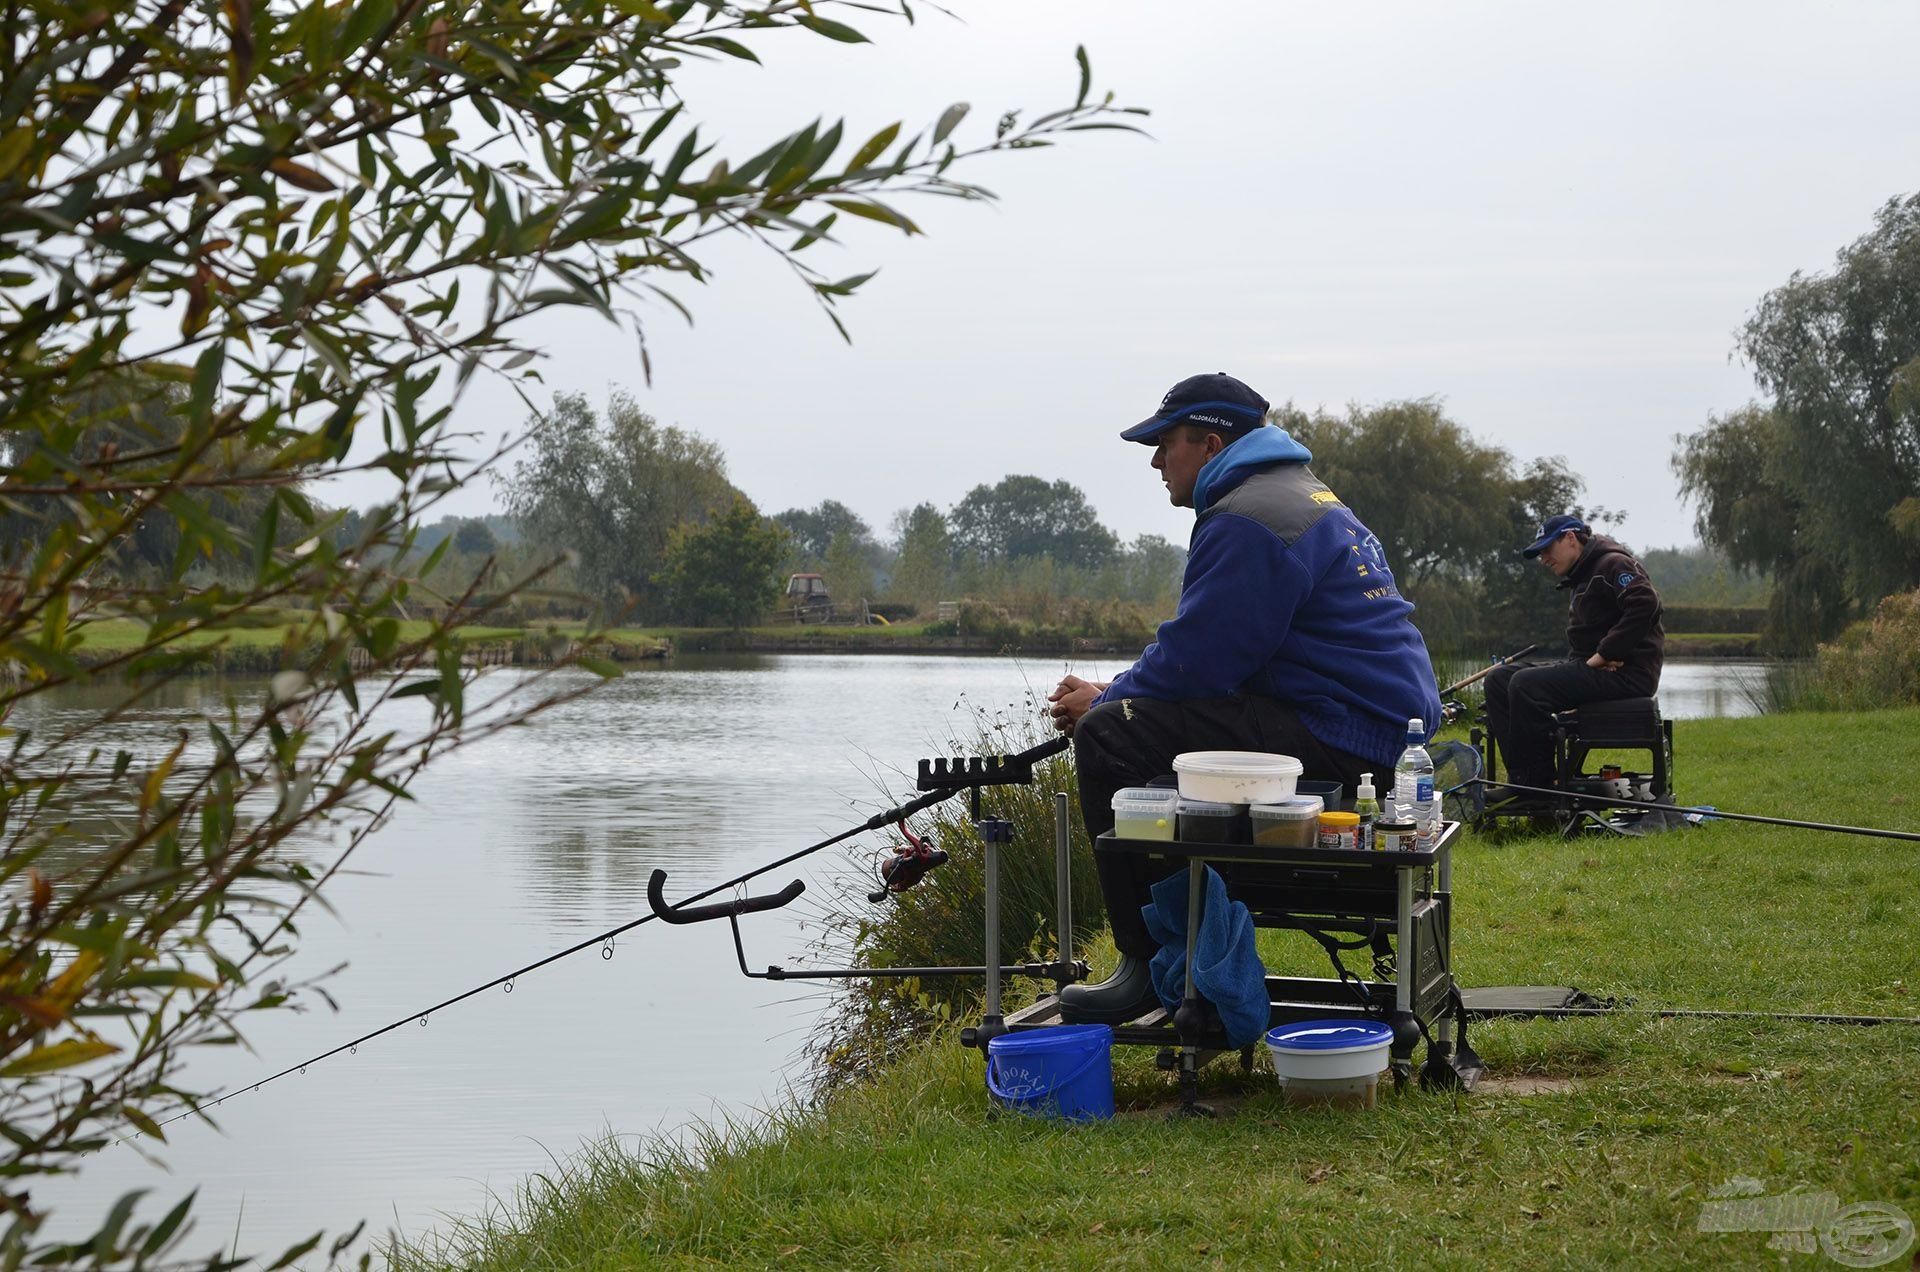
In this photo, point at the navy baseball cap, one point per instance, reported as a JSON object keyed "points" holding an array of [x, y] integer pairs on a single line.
{"points": [[1216, 401], [1552, 528]]}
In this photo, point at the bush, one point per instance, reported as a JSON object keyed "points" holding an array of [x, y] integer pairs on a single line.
{"points": [[940, 922], [988, 621], [1107, 620], [1875, 662]]}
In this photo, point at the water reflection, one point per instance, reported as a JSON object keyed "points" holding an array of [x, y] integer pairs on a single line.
{"points": [[1693, 690]]}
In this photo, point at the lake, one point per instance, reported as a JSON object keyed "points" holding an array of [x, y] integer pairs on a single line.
{"points": [[533, 841]]}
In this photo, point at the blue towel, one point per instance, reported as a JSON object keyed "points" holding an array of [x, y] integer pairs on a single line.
{"points": [[1227, 969]]}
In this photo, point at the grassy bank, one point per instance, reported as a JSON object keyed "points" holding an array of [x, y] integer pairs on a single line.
{"points": [[1593, 1142], [246, 646], [260, 649]]}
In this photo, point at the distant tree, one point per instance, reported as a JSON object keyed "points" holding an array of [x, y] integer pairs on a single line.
{"points": [[1021, 518], [135, 411], [848, 570], [815, 529], [613, 491], [923, 564], [1738, 473], [1434, 495], [1821, 486], [474, 539], [1840, 353], [1700, 575], [724, 573], [1150, 568]]}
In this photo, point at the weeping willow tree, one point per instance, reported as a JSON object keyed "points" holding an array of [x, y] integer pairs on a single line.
{"points": [[1820, 483], [248, 247]]}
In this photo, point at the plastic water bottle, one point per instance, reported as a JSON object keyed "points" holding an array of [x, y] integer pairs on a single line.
{"points": [[1413, 786]]}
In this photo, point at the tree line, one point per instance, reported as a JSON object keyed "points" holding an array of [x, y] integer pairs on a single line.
{"points": [[653, 526]]}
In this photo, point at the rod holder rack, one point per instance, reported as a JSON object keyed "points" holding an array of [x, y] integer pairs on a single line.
{"points": [[963, 772]]}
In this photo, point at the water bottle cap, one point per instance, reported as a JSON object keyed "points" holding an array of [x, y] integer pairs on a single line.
{"points": [[1416, 726]]}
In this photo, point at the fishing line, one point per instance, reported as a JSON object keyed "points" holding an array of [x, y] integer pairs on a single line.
{"points": [[605, 939]]}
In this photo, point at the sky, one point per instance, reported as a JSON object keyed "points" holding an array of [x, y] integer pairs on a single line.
{"points": [[1553, 218]]}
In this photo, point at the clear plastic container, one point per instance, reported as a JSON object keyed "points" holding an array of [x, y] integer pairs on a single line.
{"points": [[1236, 777], [1203, 821], [1293, 823], [1144, 812]]}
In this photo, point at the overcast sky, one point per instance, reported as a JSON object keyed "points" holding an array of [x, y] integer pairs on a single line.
{"points": [[1552, 217]]}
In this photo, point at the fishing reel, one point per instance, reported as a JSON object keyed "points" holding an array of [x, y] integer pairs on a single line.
{"points": [[908, 865]]}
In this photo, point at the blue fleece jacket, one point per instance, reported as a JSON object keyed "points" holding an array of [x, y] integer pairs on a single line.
{"points": [[1287, 595]]}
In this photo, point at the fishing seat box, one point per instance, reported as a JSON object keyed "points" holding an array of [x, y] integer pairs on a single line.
{"points": [[1625, 724]]}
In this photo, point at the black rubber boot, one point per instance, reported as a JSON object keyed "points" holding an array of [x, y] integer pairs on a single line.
{"points": [[1124, 996]]}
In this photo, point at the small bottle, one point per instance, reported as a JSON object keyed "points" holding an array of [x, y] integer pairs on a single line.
{"points": [[1413, 786], [1365, 804]]}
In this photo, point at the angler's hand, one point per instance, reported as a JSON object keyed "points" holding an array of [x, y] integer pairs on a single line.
{"points": [[1070, 699], [1605, 664]]}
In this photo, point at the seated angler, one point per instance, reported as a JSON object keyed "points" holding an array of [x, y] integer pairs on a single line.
{"points": [[1613, 631], [1290, 637]]}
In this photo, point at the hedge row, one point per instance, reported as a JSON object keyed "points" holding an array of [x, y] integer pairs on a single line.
{"points": [[1729, 619]]}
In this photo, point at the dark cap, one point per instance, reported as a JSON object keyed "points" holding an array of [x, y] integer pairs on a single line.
{"points": [[1550, 529], [1216, 401]]}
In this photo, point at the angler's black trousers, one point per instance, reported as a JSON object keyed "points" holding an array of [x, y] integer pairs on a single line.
{"points": [[1131, 742], [1521, 702]]}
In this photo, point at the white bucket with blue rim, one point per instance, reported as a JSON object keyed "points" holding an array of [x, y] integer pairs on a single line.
{"points": [[1330, 1061]]}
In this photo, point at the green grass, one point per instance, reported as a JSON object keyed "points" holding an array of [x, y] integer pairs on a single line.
{"points": [[1610, 1166]]}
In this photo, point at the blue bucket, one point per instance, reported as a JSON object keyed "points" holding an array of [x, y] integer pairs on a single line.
{"points": [[1063, 1071]]}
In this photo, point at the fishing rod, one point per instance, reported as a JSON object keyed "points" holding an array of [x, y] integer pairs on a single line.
{"points": [[878, 821], [1650, 806], [1495, 665], [1683, 1013]]}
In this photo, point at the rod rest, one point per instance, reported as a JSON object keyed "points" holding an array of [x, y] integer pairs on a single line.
{"points": [[718, 910], [965, 771]]}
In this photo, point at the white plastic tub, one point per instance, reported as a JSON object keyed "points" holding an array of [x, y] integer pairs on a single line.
{"points": [[1236, 777], [1337, 1061]]}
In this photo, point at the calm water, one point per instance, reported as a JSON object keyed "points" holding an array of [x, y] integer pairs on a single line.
{"points": [[538, 839]]}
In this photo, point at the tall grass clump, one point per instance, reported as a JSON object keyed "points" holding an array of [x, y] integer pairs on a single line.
{"points": [[941, 921]]}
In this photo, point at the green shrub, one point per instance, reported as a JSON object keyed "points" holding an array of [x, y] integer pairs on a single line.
{"points": [[1875, 662], [940, 921], [987, 620]]}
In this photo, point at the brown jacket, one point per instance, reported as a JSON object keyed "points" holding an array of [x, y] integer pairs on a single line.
{"points": [[1614, 610]]}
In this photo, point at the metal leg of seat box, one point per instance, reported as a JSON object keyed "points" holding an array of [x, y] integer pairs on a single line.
{"points": [[1187, 1020]]}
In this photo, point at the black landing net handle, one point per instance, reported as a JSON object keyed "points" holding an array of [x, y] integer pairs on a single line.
{"points": [[941, 779]]}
